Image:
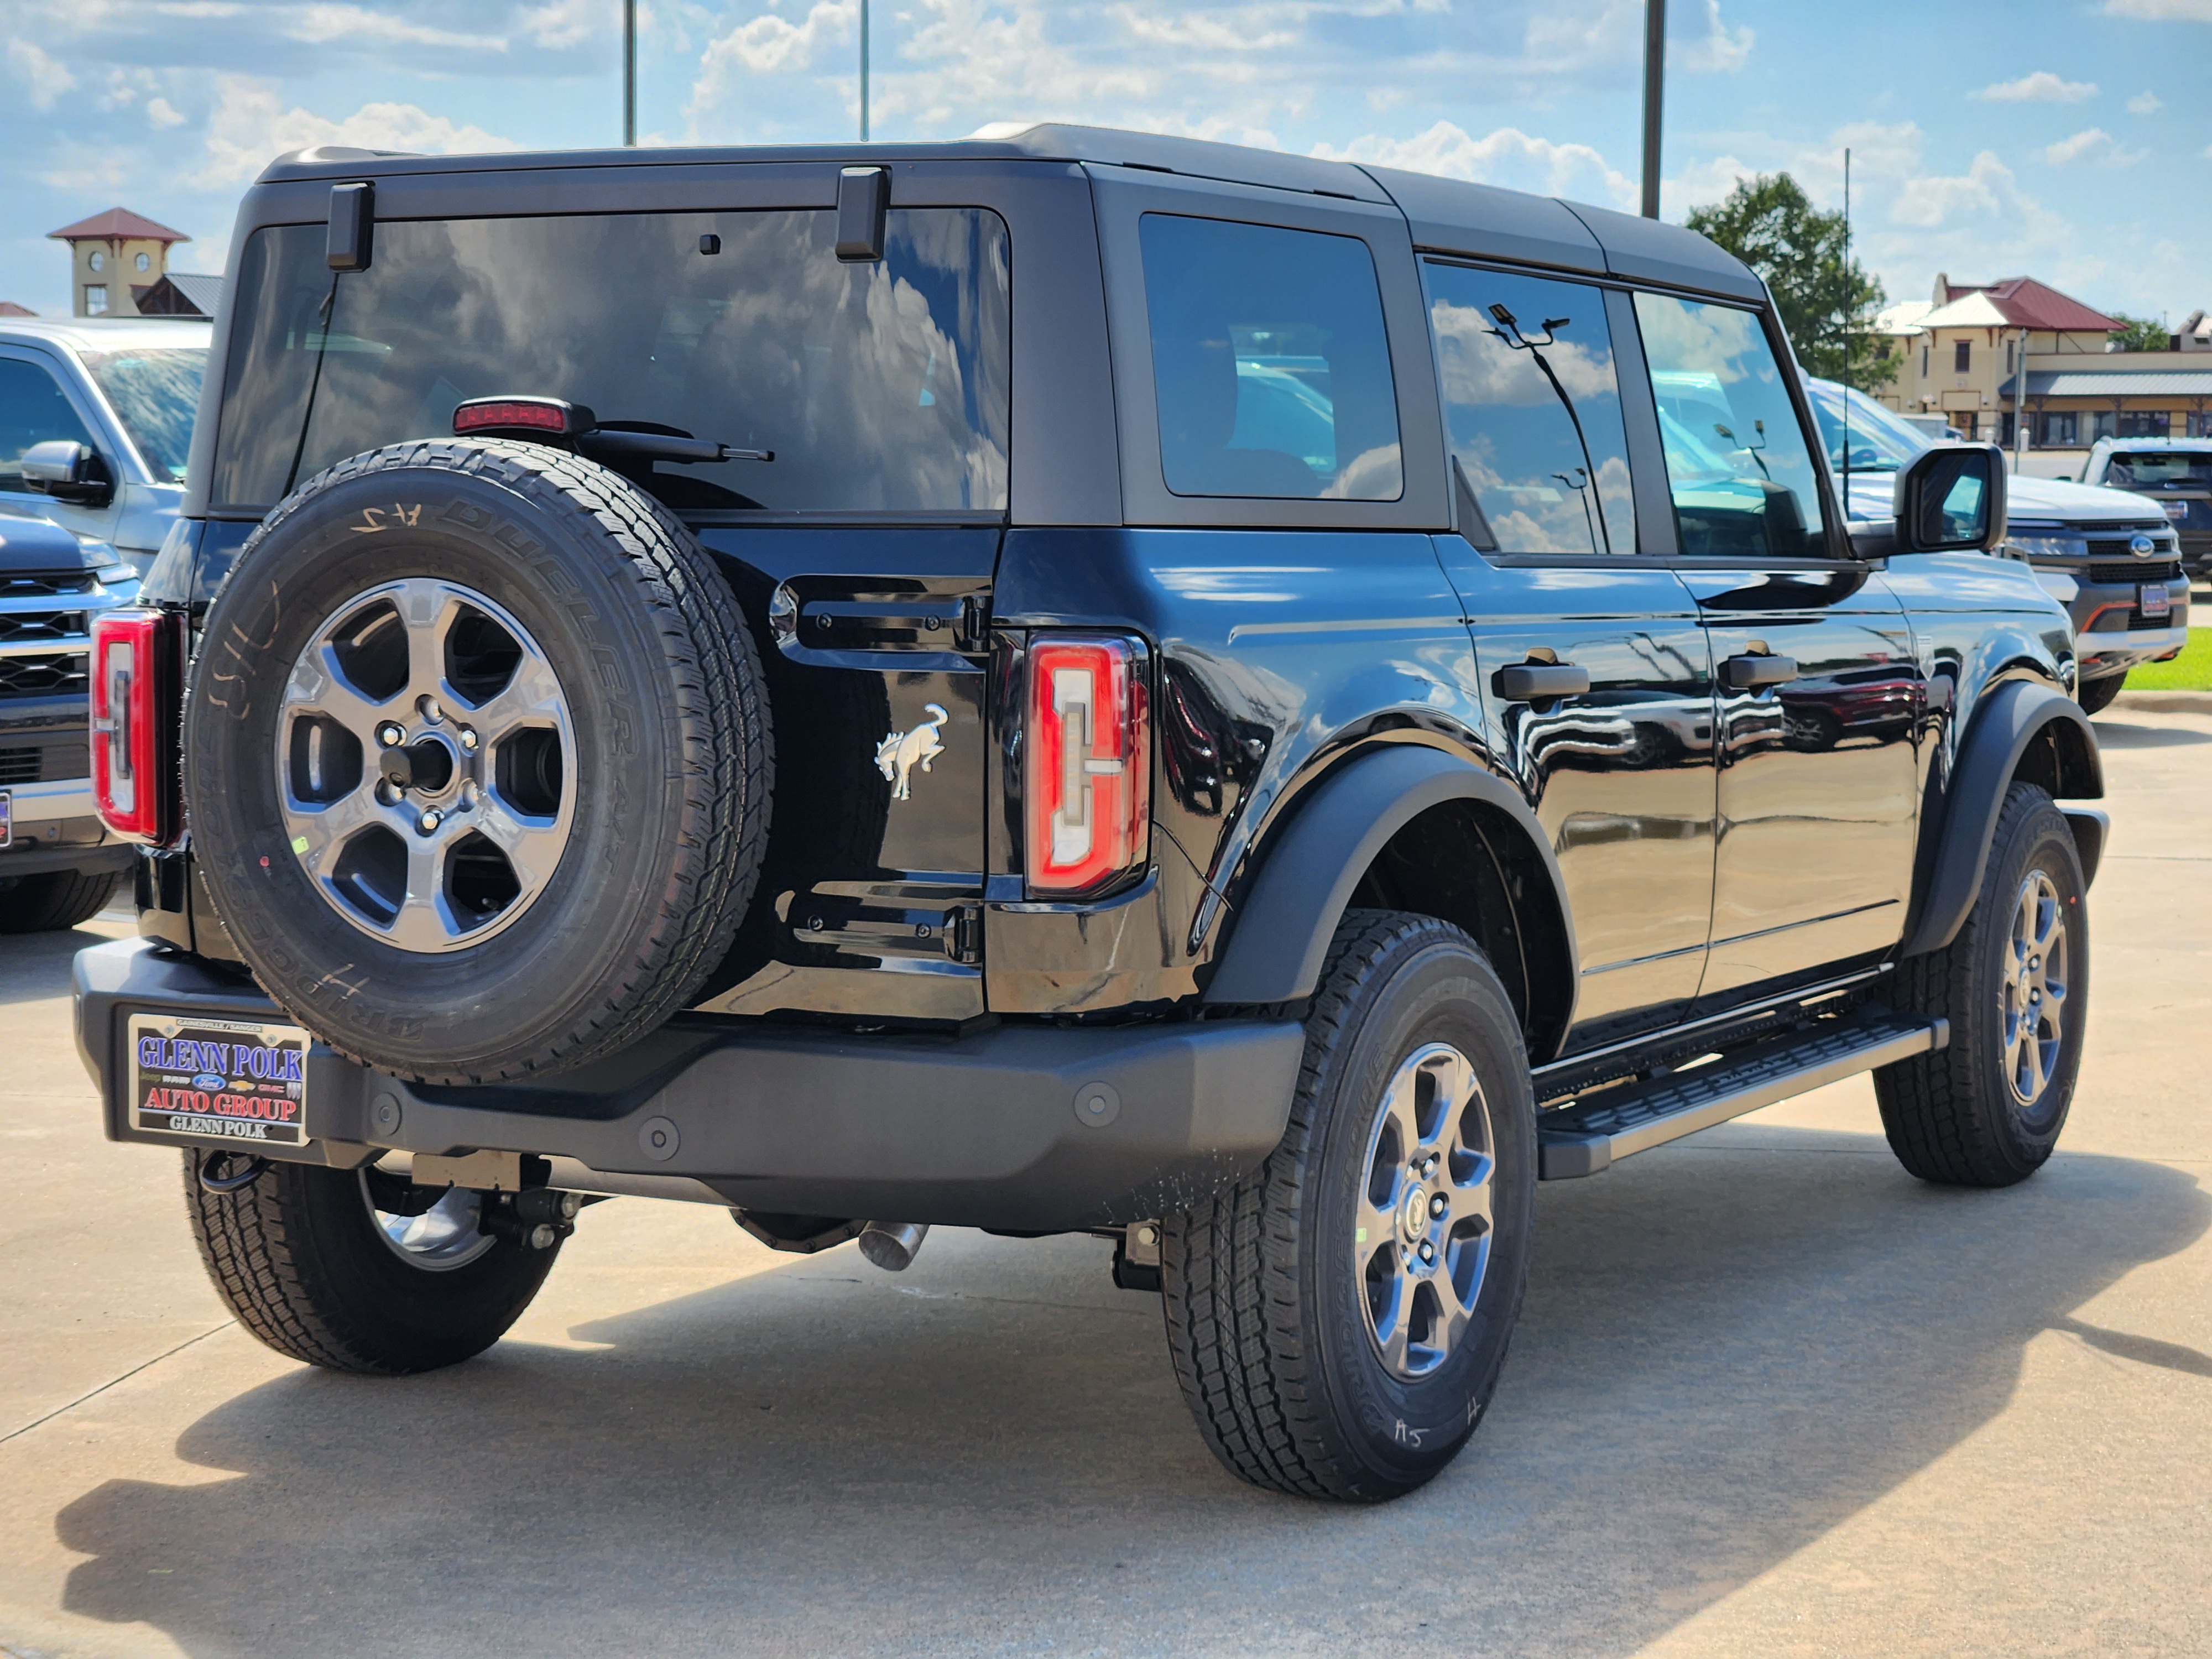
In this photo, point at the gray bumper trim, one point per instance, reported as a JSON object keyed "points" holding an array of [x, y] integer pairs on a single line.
{"points": [[1022, 1127]]}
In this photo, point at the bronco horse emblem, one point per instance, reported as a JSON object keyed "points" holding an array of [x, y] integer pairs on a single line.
{"points": [[897, 755]]}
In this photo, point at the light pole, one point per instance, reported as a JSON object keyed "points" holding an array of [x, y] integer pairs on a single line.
{"points": [[629, 74], [1655, 75], [864, 71]]}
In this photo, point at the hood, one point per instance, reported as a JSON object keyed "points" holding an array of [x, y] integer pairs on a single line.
{"points": [[2056, 498], [30, 542]]}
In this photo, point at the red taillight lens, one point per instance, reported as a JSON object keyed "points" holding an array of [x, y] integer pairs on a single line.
{"points": [[1088, 779], [132, 724], [525, 415]]}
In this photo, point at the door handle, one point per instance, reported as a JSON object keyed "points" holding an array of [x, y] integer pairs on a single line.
{"points": [[1541, 682], [1747, 673]]}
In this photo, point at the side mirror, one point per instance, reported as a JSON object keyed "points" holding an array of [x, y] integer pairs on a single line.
{"points": [[67, 471], [1951, 500]]}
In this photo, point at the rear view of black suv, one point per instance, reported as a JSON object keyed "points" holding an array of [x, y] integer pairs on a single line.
{"points": [[1251, 707]]}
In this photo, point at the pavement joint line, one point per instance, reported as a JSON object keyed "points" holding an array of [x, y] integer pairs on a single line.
{"points": [[149, 1364]]}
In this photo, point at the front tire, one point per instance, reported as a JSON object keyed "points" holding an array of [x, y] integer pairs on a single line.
{"points": [[1320, 1351], [1986, 1110], [2096, 695], [309, 1265], [59, 898]]}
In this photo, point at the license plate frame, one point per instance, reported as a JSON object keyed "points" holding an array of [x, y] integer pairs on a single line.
{"points": [[7, 818], [239, 1082], [2154, 601]]}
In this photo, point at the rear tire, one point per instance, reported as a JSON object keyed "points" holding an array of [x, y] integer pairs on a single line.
{"points": [[298, 1256], [58, 899], [1317, 1356], [1984, 1111], [2096, 695]]}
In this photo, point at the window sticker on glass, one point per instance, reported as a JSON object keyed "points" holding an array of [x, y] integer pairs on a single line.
{"points": [[1532, 407], [1737, 462]]}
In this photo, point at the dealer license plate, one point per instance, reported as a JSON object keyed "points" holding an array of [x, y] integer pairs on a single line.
{"points": [[2155, 600], [219, 1079]]}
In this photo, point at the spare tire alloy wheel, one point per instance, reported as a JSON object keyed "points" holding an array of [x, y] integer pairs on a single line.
{"points": [[476, 756], [427, 765]]}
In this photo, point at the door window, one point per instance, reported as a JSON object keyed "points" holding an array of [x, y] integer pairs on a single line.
{"points": [[33, 411], [1738, 465], [1270, 363], [1532, 407]]}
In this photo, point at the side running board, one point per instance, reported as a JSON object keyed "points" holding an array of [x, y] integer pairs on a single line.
{"points": [[1607, 1125]]}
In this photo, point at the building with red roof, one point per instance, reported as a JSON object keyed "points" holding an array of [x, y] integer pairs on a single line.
{"points": [[111, 254]]}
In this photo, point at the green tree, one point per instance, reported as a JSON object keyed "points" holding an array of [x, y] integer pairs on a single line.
{"points": [[1771, 224], [2141, 333]]}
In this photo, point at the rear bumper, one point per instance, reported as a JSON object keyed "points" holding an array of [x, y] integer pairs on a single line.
{"points": [[1004, 1128], [56, 826]]}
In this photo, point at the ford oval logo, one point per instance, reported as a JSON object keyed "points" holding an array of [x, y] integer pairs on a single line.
{"points": [[2142, 545], [209, 1080]]}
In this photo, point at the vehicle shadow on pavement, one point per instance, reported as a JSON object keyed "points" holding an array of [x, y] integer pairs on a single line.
{"points": [[1726, 1350], [35, 966]]}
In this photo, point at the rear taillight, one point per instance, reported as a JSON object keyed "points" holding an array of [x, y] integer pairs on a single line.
{"points": [[133, 724], [1087, 780]]}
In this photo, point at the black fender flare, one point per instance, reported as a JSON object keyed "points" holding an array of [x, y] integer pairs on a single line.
{"points": [[1282, 924], [2011, 717]]}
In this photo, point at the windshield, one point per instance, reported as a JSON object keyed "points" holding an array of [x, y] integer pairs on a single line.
{"points": [[2187, 468], [1881, 442], [156, 394], [878, 386]]}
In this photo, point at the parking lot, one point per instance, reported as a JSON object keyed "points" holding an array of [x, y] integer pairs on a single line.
{"points": [[1769, 1397]]}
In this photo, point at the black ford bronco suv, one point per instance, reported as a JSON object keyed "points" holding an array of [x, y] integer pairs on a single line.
{"points": [[1071, 682]]}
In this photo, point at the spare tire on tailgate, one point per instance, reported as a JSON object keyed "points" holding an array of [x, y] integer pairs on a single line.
{"points": [[478, 764]]}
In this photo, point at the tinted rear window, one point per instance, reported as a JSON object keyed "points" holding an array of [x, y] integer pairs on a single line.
{"points": [[878, 387], [1269, 361]]}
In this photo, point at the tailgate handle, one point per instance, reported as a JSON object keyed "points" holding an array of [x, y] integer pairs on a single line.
{"points": [[1541, 682], [1747, 673]]}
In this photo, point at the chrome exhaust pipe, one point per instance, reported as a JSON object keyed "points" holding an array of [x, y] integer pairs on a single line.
{"points": [[893, 1245]]}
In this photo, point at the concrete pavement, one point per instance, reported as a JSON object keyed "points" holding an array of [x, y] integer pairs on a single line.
{"points": [[1769, 1397]]}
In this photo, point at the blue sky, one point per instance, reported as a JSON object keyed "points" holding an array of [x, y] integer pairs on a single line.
{"points": [[2071, 140]]}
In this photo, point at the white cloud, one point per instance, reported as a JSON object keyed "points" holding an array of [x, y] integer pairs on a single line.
{"points": [[2144, 103], [767, 43], [1720, 51], [251, 126], [45, 79], [162, 115], [2094, 144], [1934, 201], [321, 23], [2040, 87], [2161, 11], [557, 24], [1508, 156]]}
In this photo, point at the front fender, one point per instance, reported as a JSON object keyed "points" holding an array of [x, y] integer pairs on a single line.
{"points": [[1289, 911], [2012, 717]]}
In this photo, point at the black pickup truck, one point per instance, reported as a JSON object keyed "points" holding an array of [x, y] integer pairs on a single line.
{"points": [[1081, 681]]}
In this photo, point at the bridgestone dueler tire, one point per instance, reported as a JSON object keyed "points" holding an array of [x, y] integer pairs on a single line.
{"points": [[1265, 1323], [2096, 695], [297, 1256], [1950, 1116], [60, 898], [672, 759]]}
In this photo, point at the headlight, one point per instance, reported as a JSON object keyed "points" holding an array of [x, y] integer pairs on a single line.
{"points": [[2047, 547]]}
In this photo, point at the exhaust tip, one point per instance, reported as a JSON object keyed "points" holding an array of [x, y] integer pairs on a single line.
{"points": [[893, 1245]]}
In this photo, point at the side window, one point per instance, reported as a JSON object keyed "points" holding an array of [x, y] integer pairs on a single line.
{"points": [[1269, 361], [1532, 409], [31, 410], [1737, 463]]}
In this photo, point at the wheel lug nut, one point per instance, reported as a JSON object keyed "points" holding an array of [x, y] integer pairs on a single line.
{"points": [[1428, 1253], [390, 735], [430, 821], [431, 711], [1437, 1205], [469, 739]]}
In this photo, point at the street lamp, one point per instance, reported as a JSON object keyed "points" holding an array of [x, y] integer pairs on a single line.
{"points": [[1517, 341]]}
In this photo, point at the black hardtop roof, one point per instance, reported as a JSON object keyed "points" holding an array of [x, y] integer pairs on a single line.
{"points": [[1447, 215]]}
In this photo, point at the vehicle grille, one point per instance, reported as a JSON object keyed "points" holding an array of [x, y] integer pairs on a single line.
{"points": [[46, 762], [2116, 547], [2135, 570], [45, 646], [2137, 622]]}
